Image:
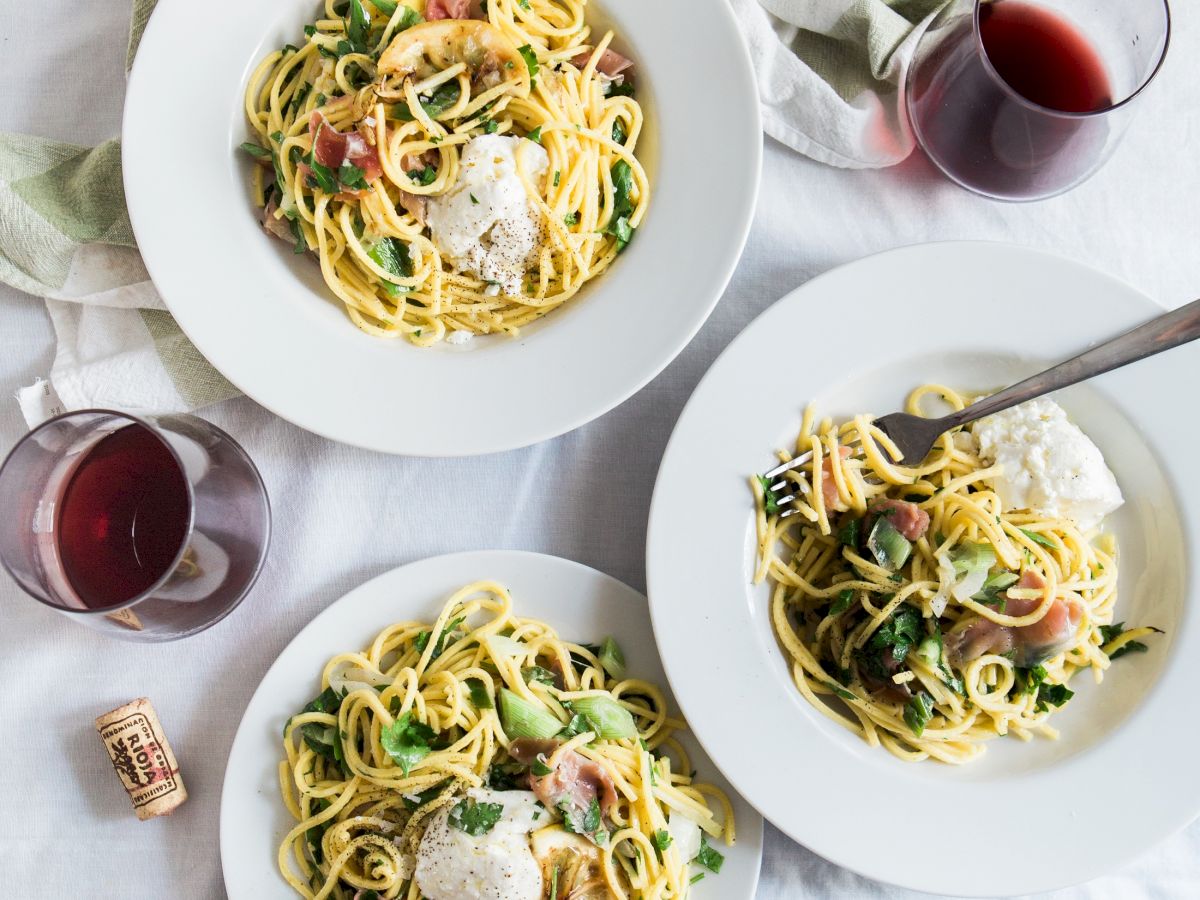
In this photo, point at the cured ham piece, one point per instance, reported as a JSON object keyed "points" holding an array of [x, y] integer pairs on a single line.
{"points": [[1029, 644], [907, 518], [452, 9], [572, 785], [333, 148], [829, 490], [611, 63]]}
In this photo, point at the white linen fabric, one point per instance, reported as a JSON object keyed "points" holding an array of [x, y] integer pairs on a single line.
{"points": [[832, 73], [343, 515]]}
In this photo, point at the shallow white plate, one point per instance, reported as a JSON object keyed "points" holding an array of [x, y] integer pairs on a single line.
{"points": [[265, 319], [579, 602], [1026, 817]]}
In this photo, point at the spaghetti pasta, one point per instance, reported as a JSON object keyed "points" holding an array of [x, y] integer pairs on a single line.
{"points": [[413, 725], [915, 610], [392, 103]]}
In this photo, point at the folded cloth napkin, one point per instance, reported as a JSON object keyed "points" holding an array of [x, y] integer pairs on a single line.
{"points": [[65, 236], [831, 74]]}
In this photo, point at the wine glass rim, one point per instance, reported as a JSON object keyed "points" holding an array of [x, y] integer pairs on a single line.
{"points": [[183, 545], [1065, 114]]}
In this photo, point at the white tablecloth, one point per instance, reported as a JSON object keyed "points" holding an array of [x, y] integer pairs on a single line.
{"points": [[344, 515]]}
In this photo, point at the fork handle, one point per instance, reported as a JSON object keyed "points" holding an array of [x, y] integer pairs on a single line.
{"points": [[1159, 334]]}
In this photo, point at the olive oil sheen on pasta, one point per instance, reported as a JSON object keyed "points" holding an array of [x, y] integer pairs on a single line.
{"points": [[123, 517]]}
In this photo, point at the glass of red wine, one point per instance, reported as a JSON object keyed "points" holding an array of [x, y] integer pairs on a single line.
{"points": [[1025, 99], [149, 528]]}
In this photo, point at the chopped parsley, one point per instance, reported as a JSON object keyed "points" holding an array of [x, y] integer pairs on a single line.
{"points": [[406, 741], [423, 177], [531, 63], [443, 97], [849, 533], [618, 223], [619, 134], [358, 28], [770, 499], [662, 839], [571, 218], [1038, 538], [708, 857], [474, 199], [535, 135], [1112, 632], [489, 126], [899, 633], [256, 151], [475, 818], [842, 603], [537, 674], [557, 177], [479, 694], [1033, 681], [391, 255]]}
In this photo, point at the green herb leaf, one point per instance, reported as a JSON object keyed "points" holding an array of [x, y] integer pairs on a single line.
{"points": [[571, 218], [475, 818], [391, 255], [770, 499], [708, 857], [443, 97], [406, 741], [840, 691], [479, 694], [301, 243], [531, 63], [256, 151], [539, 767], [359, 26], [848, 535], [618, 225], [489, 126], [352, 177], [535, 135], [423, 177], [557, 177], [619, 134], [662, 839], [918, 712], [1038, 538], [1053, 695], [842, 603], [538, 674], [899, 633]]}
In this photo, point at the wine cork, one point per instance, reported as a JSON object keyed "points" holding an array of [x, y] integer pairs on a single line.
{"points": [[138, 748]]}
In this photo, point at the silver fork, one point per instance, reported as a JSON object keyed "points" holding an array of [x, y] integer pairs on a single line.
{"points": [[915, 436]]}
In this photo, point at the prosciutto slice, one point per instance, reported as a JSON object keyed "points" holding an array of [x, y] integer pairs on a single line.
{"points": [[572, 785], [611, 63], [1029, 644], [333, 148], [452, 9], [907, 518]]}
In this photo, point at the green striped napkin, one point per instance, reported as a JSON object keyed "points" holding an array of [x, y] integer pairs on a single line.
{"points": [[65, 236]]}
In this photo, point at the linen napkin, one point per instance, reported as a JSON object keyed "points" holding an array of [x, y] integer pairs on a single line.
{"points": [[65, 236], [832, 73]]}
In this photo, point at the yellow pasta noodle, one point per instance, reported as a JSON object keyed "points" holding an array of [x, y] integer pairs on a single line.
{"points": [[361, 805], [915, 610]]}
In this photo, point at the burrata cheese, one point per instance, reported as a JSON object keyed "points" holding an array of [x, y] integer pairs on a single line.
{"points": [[487, 224], [1049, 465]]}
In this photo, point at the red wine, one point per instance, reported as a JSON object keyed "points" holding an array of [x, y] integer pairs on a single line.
{"points": [[1010, 126], [123, 517], [1043, 57]]}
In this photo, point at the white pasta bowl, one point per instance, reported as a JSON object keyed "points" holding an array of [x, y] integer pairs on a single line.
{"points": [[975, 317], [266, 321], [578, 602]]}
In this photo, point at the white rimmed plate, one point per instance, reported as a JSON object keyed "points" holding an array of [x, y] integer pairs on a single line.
{"points": [[1025, 817], [265, 319], [578, 601]]}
